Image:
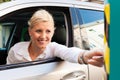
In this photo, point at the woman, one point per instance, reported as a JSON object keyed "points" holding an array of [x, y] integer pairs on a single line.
{"points": [[41, 30]]}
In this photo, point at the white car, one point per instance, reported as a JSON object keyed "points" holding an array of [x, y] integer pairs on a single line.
{"points": [[77, 23]]}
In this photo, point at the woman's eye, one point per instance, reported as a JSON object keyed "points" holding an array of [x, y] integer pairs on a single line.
{"points": [[48, 31], [38, 31]]}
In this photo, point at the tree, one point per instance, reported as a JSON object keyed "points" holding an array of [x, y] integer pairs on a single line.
{"points": [[4, 1]]}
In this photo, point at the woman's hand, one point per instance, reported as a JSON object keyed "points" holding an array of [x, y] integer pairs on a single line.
{"points": [[94, 57]]}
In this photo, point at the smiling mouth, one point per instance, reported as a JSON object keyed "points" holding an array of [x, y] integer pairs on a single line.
{"points": [[42, 41]]}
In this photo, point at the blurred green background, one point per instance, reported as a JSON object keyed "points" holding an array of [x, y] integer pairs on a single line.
{"points": [[4, 1]]}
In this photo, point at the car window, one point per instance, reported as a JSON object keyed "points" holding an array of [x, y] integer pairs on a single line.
{"points": [[14, 27], [91, 28], [5, 30], [89, 16]]}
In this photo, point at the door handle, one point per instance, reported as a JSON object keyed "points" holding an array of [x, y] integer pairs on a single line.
{"points": [[76, 75]]}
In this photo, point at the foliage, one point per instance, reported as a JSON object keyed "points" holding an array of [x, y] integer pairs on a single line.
{"points": [[4, 1]]}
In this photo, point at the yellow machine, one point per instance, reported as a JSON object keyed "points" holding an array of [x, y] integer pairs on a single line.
{"points": [[106, 38]]}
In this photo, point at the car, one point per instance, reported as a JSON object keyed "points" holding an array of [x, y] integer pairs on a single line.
{"points": [[78, 24]]}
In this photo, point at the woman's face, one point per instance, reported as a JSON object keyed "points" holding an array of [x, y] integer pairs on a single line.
{"points": [[41, 34]]}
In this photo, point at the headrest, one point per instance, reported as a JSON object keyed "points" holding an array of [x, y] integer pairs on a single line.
{"points": [[60, 35]]}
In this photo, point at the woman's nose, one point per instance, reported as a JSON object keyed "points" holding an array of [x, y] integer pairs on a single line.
{"points": [[43, 35]]}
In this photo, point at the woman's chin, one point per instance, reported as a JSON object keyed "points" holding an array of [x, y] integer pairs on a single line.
{"points": [[42, 47]]}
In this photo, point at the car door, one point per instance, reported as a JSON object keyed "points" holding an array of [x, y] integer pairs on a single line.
{"points": [[13, 26]]}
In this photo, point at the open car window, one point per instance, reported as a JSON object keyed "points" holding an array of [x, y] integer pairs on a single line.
{"points": [[14, 27]]}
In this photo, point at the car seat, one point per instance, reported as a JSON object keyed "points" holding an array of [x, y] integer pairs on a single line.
{"points": [[60, 34]]}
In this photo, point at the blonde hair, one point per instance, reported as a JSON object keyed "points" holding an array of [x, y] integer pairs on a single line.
{"points": [[40, 16]]}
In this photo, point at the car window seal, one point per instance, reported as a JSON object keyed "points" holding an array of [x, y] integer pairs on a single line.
{"points": [[30, 63]]}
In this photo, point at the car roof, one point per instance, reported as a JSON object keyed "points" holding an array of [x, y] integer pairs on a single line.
{"points": [[10, 6], [73, 2]]}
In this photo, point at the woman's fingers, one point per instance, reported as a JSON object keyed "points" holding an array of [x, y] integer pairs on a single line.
{"points": [[98, 58], [96, 61]]}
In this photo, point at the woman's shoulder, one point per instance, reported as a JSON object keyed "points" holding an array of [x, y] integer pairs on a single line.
{"points": [[55, 44], [21, 44], [18, 48]]}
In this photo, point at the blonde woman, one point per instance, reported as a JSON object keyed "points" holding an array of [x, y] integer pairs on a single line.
{"points": [[41, 30]]}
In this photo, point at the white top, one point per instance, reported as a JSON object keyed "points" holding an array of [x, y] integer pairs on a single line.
{"points": [[19, 53]]}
